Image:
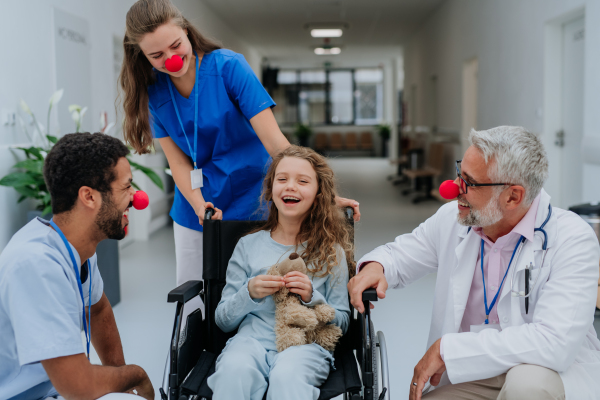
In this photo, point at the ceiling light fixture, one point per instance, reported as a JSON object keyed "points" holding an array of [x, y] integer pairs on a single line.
{"points": [[322, 51], [326, 33]]}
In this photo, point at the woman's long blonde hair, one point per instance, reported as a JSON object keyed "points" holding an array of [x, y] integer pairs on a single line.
{"points": [[145, 16], [325, 227]]}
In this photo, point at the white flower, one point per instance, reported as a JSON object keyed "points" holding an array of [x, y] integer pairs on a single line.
{"points": [[109, 127], [74, 107], [26, 108], [74, 115], [55, 98]]}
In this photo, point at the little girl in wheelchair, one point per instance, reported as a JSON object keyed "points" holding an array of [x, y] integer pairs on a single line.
{"points": [[304, 219]]}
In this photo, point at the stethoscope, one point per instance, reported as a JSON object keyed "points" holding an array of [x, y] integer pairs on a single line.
{"points": [[518, 248], [86, 324], [525, 294]]}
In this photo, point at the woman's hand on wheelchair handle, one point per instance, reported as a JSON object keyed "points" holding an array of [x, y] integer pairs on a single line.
{"points": [[264, 285], [300, 284], [202, 209], [343, 203], [370, 276]]}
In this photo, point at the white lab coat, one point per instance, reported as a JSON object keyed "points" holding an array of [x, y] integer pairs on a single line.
{"points": [[558, 331]]}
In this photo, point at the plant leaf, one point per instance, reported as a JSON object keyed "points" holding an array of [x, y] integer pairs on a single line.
{"points": [[135, 185], [32, 151], [149, 173], [47, 210], [30, 165], [21, 199], [27, 191], [17, 179], [52, 139]]}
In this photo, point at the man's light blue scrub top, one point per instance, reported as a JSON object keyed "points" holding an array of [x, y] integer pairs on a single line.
{"points": [[232, 158], [40, 308]]}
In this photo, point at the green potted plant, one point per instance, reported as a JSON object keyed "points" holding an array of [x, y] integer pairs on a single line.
{"points": [[384, 131], [303, 133], [27, 178]]}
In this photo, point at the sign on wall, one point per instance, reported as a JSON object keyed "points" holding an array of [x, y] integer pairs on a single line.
{"points": [[73, 73]]}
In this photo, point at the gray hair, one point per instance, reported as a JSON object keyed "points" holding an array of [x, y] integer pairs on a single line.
{"points": [[517, 157]]}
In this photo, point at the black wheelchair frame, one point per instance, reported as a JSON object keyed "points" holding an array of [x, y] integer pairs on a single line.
{"points": [[191, 358]]}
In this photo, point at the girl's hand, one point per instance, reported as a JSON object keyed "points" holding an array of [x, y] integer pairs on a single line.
{"points": [[264, 285], [343, 202], [298, 283], [202, 210]]}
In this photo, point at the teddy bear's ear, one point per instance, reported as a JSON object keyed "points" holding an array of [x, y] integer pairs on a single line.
{"points": [[293, 256]]}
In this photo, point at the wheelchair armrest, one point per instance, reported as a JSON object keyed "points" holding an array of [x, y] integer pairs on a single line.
{"points": [[370, 295], [185, 292]]}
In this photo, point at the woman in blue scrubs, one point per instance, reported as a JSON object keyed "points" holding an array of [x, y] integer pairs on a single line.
{"points": [[212, 118]]}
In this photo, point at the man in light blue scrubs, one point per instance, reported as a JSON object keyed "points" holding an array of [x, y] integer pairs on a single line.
{"points": [[49, 275]]}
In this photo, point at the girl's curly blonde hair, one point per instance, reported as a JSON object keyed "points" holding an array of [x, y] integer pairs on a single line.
{"points": [[325, 225]]}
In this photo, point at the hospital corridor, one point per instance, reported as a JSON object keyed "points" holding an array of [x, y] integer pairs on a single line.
{"points": [[300, 200]]}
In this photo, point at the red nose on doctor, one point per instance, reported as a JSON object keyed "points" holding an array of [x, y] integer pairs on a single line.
{"points": [[515, 291], [211, 116]]}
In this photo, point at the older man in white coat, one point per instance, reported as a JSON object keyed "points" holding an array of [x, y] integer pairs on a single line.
{"points": [[514, 305]]}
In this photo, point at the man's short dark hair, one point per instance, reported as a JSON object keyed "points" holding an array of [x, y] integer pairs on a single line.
{"points": [[81, 159]]}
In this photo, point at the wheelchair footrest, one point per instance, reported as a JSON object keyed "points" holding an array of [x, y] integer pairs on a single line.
{"points": [[195, 382]]}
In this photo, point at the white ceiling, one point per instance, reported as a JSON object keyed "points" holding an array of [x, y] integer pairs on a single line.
{"points": [[276, 28]]}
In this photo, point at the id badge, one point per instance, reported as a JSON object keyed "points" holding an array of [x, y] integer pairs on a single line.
{"points": [[197, 181], [479, 328]]}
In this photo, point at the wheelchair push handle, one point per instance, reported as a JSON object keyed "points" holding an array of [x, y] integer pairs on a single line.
{"points": [[370, 295], [349, 211], [208, 213]]}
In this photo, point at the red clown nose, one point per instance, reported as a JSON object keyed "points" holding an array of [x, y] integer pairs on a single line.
{"points": [[140, 200], [449, 190], [174, 63]]}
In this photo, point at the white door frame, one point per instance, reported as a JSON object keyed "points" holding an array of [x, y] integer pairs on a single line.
{"points": [[553, 50]]}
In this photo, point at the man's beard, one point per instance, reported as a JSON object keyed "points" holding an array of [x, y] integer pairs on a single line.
{"points": [[489, 215], [109, 219]]}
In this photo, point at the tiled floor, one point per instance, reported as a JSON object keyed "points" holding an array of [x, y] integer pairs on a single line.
{"points": [[145, 319]]}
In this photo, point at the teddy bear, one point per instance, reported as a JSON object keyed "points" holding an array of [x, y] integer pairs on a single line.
{"points": [[295, 323]]}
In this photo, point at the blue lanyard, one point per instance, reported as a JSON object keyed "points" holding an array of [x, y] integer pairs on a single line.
{"points": [[88, 337], [488, 310], [192, 153]]}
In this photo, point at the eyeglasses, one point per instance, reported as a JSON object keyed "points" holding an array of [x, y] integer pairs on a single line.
{"points": [[464, 184]]}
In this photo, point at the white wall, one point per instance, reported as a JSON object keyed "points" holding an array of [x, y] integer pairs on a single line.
{"points": [[26, 37], [508, 39]]}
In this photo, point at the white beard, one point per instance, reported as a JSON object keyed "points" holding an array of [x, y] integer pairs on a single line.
{"points": [[489, 215]]}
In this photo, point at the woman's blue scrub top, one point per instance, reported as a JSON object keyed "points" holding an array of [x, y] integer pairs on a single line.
{"points": [[232, 158]]}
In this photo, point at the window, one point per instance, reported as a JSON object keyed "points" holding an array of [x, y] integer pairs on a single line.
{"points": [[368, 96], [334, 96]]}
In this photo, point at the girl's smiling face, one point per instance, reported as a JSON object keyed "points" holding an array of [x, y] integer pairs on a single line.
{"points": [[167, 40], [294, 188]]}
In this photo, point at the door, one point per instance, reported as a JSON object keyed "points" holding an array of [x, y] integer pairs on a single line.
{"points": [[571, 187], [469, 101]]}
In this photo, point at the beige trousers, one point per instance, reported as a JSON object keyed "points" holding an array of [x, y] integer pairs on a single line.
{"points": [[523, 382]]}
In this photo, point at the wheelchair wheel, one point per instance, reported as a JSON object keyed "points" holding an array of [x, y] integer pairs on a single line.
{"points": [[375, 360]]}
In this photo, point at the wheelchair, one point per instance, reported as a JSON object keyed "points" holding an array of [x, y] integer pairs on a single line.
{"points": [[361, 368]]}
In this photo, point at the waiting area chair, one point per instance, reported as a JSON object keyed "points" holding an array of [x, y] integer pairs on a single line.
{"points": [[337, 141], [423, 178], [321, 142]]}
